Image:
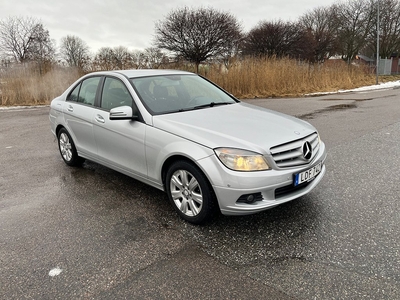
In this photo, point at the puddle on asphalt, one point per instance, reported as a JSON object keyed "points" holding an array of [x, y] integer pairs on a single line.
{"points": [[328, 109], [341, 99], [340, 106]]}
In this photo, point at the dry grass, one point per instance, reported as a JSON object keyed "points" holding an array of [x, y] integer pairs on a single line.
{"points": [[250, 78], [258, 78], [23, 86]]}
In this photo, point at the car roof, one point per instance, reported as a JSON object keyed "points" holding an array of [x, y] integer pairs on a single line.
{"points": [[145, 72]]}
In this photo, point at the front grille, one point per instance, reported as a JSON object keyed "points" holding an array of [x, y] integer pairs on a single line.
{"points": [[291, 154]]}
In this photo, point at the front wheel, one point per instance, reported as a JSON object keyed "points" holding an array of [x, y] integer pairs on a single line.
{"points": [[190, 193], [67, 149]]}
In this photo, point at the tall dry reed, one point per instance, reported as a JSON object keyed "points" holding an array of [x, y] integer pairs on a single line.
{"points": [[248, 78], [24, 86], [274, 77]]}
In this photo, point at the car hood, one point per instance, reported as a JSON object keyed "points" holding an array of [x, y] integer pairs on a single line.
{"points": [[238, 125]]}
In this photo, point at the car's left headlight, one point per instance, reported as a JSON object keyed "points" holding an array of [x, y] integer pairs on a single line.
{"points": [[241, 160]]}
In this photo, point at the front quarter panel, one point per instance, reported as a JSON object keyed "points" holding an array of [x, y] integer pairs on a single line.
{"points": [[161, 145]]}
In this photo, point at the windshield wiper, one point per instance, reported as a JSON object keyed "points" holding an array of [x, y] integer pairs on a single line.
{"points": [[212, 104]]}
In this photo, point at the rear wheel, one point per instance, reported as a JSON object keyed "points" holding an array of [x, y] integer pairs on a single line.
{"points": [[67, 149], [190, 193]]}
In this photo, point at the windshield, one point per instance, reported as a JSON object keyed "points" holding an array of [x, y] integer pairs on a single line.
{"points": [[172, 93]]}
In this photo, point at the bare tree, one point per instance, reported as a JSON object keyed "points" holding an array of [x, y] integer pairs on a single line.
{"points": [[117, 58], [25, 39], [354, 21], [42, 50], [272, 39], [122, 58], [197, 35], [139, 60], [104, 59], [320, 32], [154, 57], [75, 51], [389, 28]]}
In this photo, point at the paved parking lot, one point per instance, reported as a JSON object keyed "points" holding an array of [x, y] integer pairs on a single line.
{"points": [[91, 233]]}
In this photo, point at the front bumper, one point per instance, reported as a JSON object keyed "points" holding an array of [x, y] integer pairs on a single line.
{"points": [[275, 186]]}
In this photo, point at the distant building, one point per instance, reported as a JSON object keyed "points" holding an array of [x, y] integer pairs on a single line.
{"points": [[387, 66]]}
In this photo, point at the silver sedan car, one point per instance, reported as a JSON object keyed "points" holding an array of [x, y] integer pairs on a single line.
{"points": [[182, 134]]}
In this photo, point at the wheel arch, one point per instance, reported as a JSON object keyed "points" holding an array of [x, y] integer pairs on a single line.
{"points": [[58, 128], [73, 159], [213, 206], [172, 159]]}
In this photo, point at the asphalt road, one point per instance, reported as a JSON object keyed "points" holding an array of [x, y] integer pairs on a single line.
{"points": [[91, 233]]}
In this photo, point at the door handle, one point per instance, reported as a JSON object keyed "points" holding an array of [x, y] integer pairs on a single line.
{"points": [[70, 108], [99, 119]]}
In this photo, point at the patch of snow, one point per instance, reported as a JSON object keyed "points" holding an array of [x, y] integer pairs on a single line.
{"points": [[55, 272], [21, 107], [381, 86]]}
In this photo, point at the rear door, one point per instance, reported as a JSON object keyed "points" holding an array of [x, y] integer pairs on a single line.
{"points": [[78, 113]]}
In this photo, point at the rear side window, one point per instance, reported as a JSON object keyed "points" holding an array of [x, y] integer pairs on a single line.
{"points": [[85, 92], [74, 96]]}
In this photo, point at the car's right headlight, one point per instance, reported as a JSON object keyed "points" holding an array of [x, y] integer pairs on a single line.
{"points": [[241, 160]]}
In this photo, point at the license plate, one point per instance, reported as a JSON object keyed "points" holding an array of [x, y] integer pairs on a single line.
{"points": [[307, 175]]}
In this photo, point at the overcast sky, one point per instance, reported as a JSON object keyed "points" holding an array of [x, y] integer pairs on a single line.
{"points": [[130, 23]]}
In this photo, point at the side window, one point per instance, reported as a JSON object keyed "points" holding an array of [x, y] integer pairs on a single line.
{"points": [[115, 94], [85, 92], [74, 95], [88, 90]]}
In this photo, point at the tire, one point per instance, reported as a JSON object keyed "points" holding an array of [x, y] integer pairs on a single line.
{"points": [[190, 193], [67, 149]]}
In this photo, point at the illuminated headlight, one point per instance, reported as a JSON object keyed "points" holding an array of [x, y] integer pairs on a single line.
{"points": [[241, 160]]}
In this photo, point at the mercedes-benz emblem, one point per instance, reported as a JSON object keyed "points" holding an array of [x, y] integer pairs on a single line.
{"points": [[307, 150]]}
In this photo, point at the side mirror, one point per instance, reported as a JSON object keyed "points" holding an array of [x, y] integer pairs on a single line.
{"points": [[122, 113]]}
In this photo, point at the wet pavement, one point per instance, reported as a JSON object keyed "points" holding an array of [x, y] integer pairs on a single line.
{"points": [[92, 233]]}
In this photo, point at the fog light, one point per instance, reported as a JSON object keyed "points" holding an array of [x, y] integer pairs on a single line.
{"points": [[250, 198]]}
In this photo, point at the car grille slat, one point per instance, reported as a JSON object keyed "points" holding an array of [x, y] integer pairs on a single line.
{"points": [[290, 146], [288, 155], [291, 154]]}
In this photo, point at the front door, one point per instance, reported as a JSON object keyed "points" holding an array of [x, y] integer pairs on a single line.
{"points": [[120, 143]]}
